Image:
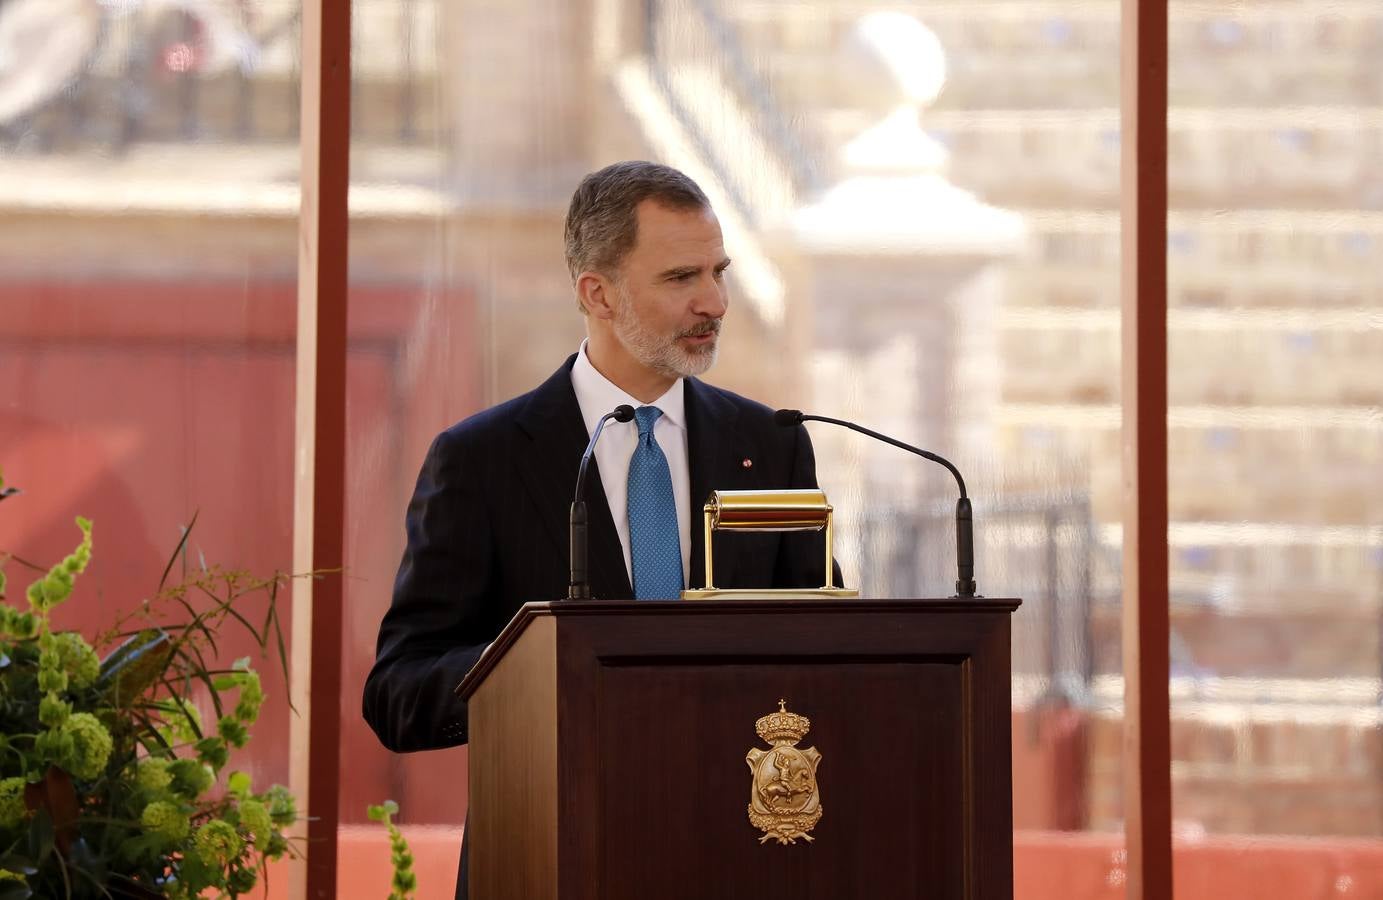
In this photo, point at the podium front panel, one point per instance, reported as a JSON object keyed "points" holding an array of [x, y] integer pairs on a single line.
{"points": [[890, 739], [909, 710]]}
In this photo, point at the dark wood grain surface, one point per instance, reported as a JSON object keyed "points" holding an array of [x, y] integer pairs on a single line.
{"points": [[512, 825], [655, 712]]}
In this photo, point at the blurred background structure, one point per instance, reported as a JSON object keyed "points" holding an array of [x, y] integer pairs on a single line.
{"points": [[922, 203]]}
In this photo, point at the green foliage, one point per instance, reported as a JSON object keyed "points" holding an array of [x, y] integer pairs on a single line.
{"points": [[404, 882], [110, 785], [12, 808]]}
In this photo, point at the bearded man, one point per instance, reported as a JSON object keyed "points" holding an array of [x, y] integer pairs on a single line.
{"points": [[488, 523]]}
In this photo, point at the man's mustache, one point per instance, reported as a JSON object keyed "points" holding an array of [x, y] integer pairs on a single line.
{"points": [[711, 327]]}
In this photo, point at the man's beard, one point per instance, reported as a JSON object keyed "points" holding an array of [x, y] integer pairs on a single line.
{"points": [[661, 352]]}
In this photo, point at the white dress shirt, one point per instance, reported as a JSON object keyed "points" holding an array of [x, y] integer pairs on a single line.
{"points": [[597, 395]]}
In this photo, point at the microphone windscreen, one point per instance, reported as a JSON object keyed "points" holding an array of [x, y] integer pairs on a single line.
{"points": [[787, 417], [624, 413]]}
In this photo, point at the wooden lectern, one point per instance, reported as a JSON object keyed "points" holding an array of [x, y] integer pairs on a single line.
{"points": [[614, 753]]}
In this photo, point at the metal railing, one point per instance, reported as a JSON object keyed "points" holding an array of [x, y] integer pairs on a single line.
{"points": [[1042, 550], [176, 76]]}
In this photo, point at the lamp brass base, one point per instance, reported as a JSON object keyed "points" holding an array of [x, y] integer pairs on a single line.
{"points": [[771, 594]]}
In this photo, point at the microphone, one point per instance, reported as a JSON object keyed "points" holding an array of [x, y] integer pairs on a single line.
{"points": [[965, 547], [579, 588]]}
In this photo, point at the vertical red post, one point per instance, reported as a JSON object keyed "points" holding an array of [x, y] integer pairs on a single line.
{"points": [[319, 458], [1147, 742]]}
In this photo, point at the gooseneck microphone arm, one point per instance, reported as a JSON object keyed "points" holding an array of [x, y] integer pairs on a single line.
{"points": [[965, 541], [579, 587]]}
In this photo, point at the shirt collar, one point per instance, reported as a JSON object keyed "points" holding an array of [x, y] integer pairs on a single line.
{"points": [[598, 395]]}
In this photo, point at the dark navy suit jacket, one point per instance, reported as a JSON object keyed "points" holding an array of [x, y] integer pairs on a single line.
{"points": [[487, 532]]}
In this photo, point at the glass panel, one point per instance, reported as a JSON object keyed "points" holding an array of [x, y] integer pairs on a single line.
{"points": [[411, 370], [148, 192], [922, 211], [1276, 446]]}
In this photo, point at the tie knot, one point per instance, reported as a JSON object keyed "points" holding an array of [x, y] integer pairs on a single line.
{"points": [[644, 417]]}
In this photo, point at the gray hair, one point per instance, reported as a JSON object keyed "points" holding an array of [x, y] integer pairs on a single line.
{"points": [[602, 225]]}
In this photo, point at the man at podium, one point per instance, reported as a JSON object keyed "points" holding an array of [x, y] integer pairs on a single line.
{"points": [[487, 526]]}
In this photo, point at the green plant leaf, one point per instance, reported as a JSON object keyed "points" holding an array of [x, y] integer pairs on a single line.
{"points": [[177, 551], [198, 671], [134, 666], [230, 610], [56, 797], [281, 645], [196, 626], [21, 865], [14, 890], [239, 783], [87, 862], [41, 836]]}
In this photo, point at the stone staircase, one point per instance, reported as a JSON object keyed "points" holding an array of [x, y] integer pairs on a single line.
{"points": [[1276, 324]]}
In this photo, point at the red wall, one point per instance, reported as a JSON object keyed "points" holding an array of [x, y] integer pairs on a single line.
{"points": [[140, 404]]}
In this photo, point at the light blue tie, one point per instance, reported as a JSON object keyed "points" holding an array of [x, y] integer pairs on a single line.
{"points": [[655, 550]]}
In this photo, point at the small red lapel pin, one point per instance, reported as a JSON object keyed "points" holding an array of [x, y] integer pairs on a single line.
{"points": [[748, 463]]}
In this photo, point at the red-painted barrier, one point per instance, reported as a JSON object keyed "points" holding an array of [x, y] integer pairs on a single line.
{"points": [[1047, 866]]}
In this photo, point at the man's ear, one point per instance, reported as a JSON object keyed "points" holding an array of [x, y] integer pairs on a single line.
{"points": [[595, 293]]}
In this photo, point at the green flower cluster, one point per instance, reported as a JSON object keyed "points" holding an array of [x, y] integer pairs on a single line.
{"points": [[121, 741], [166, 821], [182, 723], [217, 842], [154, 775], [405, 882], [256, 822], [83, 746], [283, 809], [56, 586], [234, 728], [15, 624], [76, 658], [76, 742], [12, 808], [190, 777]]}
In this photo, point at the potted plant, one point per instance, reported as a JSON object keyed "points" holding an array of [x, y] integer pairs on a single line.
{"points": [[111, 783]]}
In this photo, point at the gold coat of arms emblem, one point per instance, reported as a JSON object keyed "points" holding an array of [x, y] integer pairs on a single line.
{"points": [[784, 802]]}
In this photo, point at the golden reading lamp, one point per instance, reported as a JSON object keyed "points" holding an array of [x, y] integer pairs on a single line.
{"points": [[791, 510]]}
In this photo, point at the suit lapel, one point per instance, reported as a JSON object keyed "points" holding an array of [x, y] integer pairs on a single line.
{"points": [[710, 438], [547, 464]]}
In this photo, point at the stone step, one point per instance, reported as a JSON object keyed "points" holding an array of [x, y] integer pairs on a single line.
{"points": [[1302, 157], [1312, 642], [1315, 471], [803, 83], [1254, 767], [1257, 360], [1333, 251], [1036, 287], [1014, 55], [1227, 555]]}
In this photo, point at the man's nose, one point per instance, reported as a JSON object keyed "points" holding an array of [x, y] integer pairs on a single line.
{"points": [[711, 301]]}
